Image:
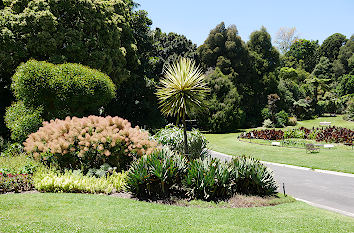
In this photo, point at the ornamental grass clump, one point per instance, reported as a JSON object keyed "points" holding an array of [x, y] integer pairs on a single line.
{"points": [[89, 142], [158, 175]]}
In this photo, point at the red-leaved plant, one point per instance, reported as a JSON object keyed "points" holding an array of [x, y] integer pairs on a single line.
{"points": [[83, 143]]}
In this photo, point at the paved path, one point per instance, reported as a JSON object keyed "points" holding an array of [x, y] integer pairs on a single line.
{"points": [[328, 190]]}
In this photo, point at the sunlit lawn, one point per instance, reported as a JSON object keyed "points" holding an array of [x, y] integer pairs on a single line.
{"points": [[97, 213], [340, 158]]}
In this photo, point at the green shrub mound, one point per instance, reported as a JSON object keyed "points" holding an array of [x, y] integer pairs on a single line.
{"points": [[45, 91], [157, 175], [89, 142], [22, 121], [209, 179], [62, 90], [252, 177], [172, 137]]}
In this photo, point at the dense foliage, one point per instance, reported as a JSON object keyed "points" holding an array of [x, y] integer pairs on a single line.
{"points": [[157, 175], [94, 33], [89, 142], [75, 182], [172, 137]]}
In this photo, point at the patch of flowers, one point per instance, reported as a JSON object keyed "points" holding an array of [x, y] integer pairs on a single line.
{"points": [[329, 134], [15, 182]]}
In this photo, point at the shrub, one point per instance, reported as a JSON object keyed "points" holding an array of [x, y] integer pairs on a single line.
{"points": [[266, 113], [172, 136], [89, 142], [22, 120], [252, 177], [62, 90], [281, 119], [209, 179], [267, 123], [292, 121], [15, 182], [12, 150], [157, 175], [75, 182]]}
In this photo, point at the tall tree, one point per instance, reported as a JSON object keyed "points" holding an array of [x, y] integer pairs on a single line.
{"points": [[285, 37], [182, 89], [305, 54], [331, 46], [345, 60]]}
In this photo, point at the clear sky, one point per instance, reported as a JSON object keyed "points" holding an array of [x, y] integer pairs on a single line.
{"points": [[313, 19]]}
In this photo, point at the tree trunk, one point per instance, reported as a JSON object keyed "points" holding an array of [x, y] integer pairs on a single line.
{"points": [[185, 135]]}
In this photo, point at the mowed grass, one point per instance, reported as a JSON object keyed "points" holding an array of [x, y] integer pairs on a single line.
{"points": [[97, 213], [340, 158]]}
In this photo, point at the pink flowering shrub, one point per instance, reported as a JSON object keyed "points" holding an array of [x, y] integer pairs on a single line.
{"points": [[83, 143]]}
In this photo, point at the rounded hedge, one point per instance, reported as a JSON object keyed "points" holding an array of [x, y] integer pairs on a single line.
{"points": [[62, 90], [22, 121], [89, 142]]}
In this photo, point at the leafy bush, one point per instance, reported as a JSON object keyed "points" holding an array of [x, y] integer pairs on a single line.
{"points": [[172, 136], [89, 142], [266, 113], [75, 182], [267, 123], [62, 90], [292, 121], [253, 177], [15, 182], [22, 120], [350, 110], [209, 179], [281, 119], [12, 150], [157, 175]]}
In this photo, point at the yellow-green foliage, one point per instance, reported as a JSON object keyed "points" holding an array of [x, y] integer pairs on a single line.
{"points": [[75, 182]]}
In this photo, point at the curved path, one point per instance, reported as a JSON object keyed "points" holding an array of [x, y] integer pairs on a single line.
{"points": [[325, 189]]}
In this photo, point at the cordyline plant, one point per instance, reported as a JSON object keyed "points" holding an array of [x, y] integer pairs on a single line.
{"points": [[182, 89]]}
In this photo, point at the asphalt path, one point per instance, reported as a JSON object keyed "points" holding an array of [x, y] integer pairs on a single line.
{"points": [[329, 190]]}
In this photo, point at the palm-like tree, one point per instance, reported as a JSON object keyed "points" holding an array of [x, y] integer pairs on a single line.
{"points": [[182, 89]]}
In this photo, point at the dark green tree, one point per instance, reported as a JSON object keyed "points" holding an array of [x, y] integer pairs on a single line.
{"points": [[302, 54], [224, 113], [346, 85], [344, 62], [331, 46]]}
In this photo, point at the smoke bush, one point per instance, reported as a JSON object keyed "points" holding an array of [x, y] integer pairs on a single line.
{"points": [[83, 143]]}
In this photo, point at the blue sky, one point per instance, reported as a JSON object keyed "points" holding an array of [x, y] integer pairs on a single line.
{"points": [[313, 19]]}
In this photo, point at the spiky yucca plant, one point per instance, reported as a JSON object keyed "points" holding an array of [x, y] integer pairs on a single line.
{"points": [[183, 88]]}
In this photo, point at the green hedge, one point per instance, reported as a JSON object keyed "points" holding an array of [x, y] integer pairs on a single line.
{"points": [[62, 90]]}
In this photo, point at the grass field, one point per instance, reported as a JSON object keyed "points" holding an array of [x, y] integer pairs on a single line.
{"points": [[97, 213], [340, 158]]}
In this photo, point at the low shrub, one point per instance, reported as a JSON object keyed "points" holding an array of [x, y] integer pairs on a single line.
{"points": [[209, 179], [281, 119], [89, 142], [15, 182], [252, 177], [292, 121], [267, 123], [157, 175], [75, 182], [172, 136], [22, 120], [12, 150]]}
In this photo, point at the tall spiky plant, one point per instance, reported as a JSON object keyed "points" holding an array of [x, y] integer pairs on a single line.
{"points": [[182, 89]]}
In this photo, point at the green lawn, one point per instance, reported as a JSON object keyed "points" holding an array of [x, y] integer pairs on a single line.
{"points": [[340, 158], [97, 213]]}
